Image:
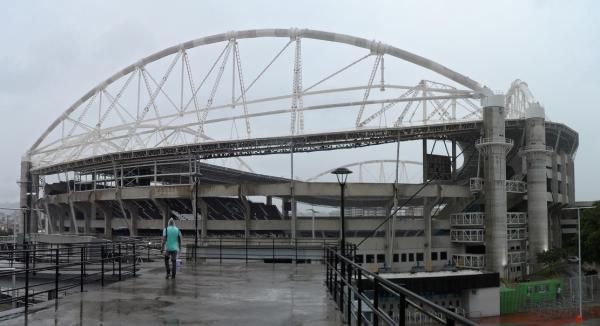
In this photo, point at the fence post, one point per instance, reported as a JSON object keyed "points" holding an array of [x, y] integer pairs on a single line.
{"points": [[81, 272], [402, 312], [327, 272], [148, 249], [26, 278], [296, 250], [134, 259], [335, 277], [112, 254], [246, 248], [120, 259], [220, 250], [375, 301], [342, 276], [349, 287], [102, 265], [359, 300], [273, 260], [56, 274], [33, 260]]}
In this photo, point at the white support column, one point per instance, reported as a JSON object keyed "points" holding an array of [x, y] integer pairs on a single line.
{"points": [[494, 147], [537, 207]]}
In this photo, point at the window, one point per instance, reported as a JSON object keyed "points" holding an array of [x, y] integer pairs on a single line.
{"points": [[370, 259], [395, 258], [434, 256], [381, 258], [358, 259], [419, 256], [403, 258], [443, 255], [411, 257]]}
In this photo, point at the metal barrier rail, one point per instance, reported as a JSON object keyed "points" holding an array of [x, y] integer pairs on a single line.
{"points": [[345, 280], [58, 268], [265, 249]]}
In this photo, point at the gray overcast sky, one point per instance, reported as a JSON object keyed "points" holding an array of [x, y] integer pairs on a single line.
{"points": [[53, 52]]}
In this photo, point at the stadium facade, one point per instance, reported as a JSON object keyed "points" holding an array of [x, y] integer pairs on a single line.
{"points": [[112, 166]]}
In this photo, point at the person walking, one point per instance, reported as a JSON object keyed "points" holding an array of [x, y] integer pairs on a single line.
{"points": [[171, 243]]}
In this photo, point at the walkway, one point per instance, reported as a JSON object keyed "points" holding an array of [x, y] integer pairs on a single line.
{"points": [[209, 294]]}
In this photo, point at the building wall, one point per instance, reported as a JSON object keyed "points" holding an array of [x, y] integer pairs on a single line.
{"points": [[482, 302]]}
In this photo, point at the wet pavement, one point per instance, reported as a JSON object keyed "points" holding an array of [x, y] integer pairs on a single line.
{"points": [[206, 294]]}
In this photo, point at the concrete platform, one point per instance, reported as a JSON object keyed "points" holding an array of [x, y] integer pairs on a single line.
{"points": [[206, 294]]}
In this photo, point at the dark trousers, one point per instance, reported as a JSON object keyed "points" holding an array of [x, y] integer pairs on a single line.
{"points": [[171, 269]]}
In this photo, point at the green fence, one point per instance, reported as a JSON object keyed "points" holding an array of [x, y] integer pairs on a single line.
{"points": [[527, 294]]}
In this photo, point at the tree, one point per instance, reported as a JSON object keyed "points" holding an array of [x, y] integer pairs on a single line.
{"points": [[551, 256], [590, 234]]}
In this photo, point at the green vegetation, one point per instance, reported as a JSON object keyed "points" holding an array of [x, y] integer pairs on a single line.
{"points": [[551, 256], [590, 234]]}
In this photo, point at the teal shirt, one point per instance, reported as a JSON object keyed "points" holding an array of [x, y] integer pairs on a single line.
{"points": [[172, 234]]}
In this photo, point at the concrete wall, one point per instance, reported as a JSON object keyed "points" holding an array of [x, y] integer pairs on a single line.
{"points": [[482, 302]]}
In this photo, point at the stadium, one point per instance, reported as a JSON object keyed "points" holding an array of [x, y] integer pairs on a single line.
{"points": [[173, 135]]}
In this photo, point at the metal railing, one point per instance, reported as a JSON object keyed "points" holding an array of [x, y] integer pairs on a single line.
{"points": [[512, 186], [472, 261], [477, 219], [357, 293], [517, 257], [516, 218], [467, 235], [45, 271], [259, 249], [467, 219], [516, 234]]}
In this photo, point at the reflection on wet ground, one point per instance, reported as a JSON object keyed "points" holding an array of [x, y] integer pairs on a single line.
{"points": [[206, 294]]}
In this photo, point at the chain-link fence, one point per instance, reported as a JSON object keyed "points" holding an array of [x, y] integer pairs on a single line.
{"points": [[554, 297]]}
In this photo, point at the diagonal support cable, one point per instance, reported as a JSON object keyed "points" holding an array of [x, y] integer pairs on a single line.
{"points": [[238, 61], [368, 90]]}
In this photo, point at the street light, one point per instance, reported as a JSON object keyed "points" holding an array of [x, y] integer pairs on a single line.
{"points": [[342, 176], [580, 316], [196, 177]]}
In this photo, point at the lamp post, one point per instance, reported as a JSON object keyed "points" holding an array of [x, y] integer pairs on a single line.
{"points": [[579, 318], [196, 177], [342, 176]]}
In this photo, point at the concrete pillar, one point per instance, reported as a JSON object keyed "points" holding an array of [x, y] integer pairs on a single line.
{"points": [[570, 171], [165, 211], [62, 214], [537, 206], [247, 215], [87, 229], [134, 217], [108, 216], [24, 196], [427, 208], [33, 196], [563, 185], [269, 200], [389, 234], [204, 221], [494, 148], [50, 218], [73, 214]]}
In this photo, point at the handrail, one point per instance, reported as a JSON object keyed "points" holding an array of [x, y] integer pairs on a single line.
{"points": [[344, 267], [71, 266]]}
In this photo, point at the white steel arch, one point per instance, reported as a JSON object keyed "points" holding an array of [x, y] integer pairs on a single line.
{"points": [[137, 108]]}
